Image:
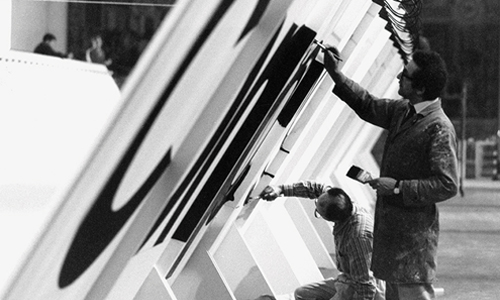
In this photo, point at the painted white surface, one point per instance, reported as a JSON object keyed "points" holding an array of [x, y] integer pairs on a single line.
{"points": [[51, 113]]}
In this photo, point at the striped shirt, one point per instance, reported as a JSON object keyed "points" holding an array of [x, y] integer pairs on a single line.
{"points": [[353, 242]]}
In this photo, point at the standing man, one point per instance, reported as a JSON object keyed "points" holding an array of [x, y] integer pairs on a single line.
{"points": [[353, 236], [418, 170]]}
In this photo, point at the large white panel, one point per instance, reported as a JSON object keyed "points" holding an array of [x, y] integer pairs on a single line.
{"points": [[154, 287], [269, 256], [52, 114], [139, 276], [237, 265], [350, 19], [303, 148], [309, 234], [291, 244], [201, 280]]}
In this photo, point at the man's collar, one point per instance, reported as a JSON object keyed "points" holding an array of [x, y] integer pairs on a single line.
{"points": [[424, 104]]}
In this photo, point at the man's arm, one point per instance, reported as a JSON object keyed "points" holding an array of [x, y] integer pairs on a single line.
{"points": [[331, 64], [303, 189], [374, 110]]}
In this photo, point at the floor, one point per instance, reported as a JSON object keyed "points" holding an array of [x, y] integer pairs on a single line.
{"points": [[469, 247]]}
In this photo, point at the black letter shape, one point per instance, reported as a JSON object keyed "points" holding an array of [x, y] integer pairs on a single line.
{"points": [[213, 147], [101, 224], [255, 18]]}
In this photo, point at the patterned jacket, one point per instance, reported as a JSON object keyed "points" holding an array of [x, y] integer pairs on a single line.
{"points": [[353, 239], [422, 154]]}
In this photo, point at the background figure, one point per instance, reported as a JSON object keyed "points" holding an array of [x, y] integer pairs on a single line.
{"points": [[418, 169], [96, 54], [353, 237], [46, 47]]}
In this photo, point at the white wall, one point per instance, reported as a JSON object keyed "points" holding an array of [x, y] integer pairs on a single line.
{"points": [[5, 26], [32, 19]]}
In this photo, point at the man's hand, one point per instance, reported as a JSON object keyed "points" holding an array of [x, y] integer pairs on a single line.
{"points": [[383, 185], [270, 193], [331, 62]]}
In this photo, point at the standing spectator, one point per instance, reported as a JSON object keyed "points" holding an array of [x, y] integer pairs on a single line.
{"points": [[353, 237], [96, 54], [418, 169], [46, 47]]}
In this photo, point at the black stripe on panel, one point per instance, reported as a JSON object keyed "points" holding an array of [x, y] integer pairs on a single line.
{"points": [[255, 18], [199, 169], [273, 80], [307, 83], [203, 163]]}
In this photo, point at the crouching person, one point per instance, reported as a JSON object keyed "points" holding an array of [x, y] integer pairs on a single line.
{"points": [[353, 237]]}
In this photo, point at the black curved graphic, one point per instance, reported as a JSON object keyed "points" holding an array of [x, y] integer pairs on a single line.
{"points": [[258, 12], [102, 224]]}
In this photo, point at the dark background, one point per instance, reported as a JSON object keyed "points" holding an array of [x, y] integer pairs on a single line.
{"points": [[466, 33]]}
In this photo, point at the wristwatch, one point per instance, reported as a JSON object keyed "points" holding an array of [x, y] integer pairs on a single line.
{"points": [[396, 188]]}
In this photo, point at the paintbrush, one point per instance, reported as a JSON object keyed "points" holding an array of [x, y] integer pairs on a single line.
{"points": [[359, 174], [320, 44]]}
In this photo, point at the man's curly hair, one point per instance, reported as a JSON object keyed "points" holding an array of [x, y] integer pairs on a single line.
{"points": [[431, 73]]}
